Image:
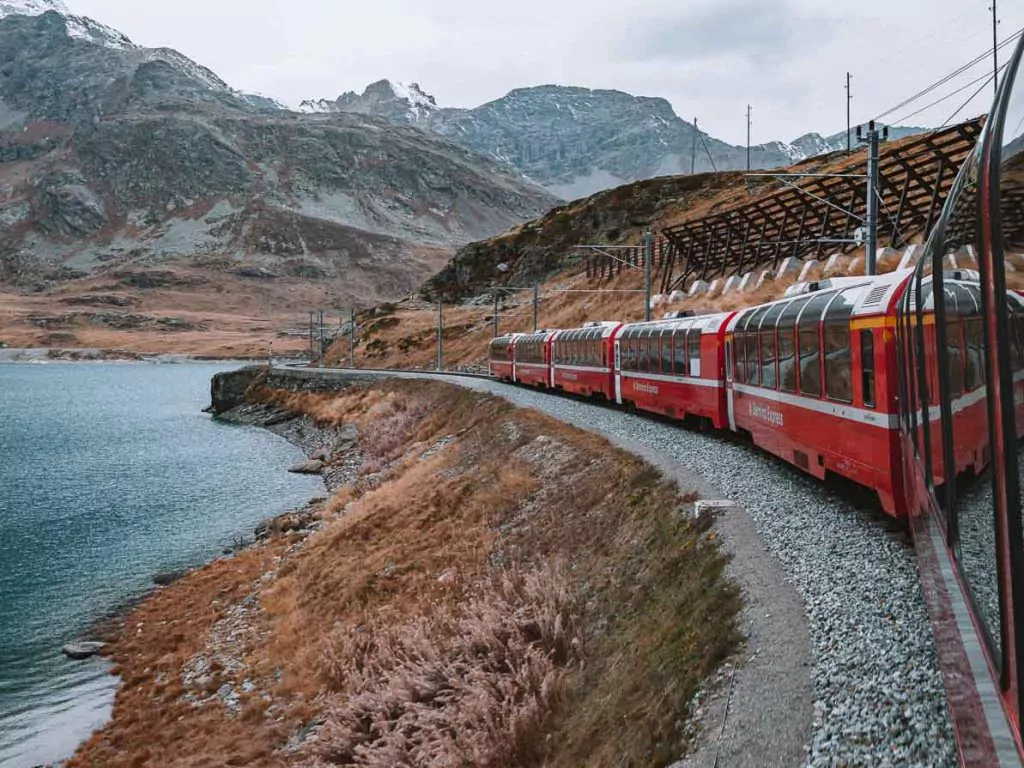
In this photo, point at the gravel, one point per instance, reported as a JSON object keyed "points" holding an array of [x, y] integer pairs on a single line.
{"points": [[878, 692]]}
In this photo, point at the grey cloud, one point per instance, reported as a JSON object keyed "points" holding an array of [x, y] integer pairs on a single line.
{"points": [[746, 29]]}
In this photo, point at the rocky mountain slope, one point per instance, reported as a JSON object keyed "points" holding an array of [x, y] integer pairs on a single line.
{"points": [[114, 156], [577, 141]]}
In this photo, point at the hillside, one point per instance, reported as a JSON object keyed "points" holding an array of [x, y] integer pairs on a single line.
{"points": [[115, 157], [457, 601], [577, 141]]}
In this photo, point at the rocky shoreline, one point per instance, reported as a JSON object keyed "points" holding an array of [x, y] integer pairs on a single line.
{"points": [[333, 450]]}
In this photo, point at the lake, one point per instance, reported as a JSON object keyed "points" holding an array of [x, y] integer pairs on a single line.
{"points": [[109, 473]]}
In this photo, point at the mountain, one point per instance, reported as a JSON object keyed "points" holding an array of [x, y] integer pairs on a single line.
{"points": [[115, 155], [577, 141]]}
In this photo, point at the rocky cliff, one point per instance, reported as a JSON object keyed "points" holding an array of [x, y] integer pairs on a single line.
{"points": [[577, 141], [113, 154]]}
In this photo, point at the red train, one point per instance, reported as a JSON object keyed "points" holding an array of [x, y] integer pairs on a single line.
{"points": [[910, 384]]}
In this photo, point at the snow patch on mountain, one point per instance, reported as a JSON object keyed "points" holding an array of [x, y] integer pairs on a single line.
{"points": [[183, 63], [79, 27]]}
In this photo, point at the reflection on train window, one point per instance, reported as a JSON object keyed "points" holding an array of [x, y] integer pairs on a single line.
{"points": [[838, 377], [768, 359], [955, 357], [666, 351], [974, 371], [693, 344], [679, 356], [867, 367], [810, 361], [753, 368], [787, 363]]}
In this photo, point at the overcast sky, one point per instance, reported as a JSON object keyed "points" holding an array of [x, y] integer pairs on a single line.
{"points": [[709, 58]]}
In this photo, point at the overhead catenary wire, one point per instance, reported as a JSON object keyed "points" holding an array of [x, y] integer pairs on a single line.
{"points": [[955, 73], [987, 77]]}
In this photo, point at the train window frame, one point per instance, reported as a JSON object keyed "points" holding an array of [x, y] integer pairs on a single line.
{"points": [[667, 360], [836, 328], [693, 337], [679, 358], [753, 354], [868, 379], [809, 326]]}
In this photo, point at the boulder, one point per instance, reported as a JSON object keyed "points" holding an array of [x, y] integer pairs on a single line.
{"points": [[789, 268], [167, 578], [834, 265], [82, 649], [911, 256], [699, 287], [312, 467], [808, 268]]}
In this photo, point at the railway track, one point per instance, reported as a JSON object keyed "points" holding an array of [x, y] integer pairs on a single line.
{"points": [[875, 690]]}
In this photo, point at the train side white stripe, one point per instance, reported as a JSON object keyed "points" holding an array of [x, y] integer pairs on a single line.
{"points": [[840, 411], [691, 380]]}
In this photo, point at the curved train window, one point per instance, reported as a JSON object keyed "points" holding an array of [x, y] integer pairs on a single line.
{"points": [[786, 332], [753, 361], [693, 345], [739, 351], [955, 355], [666, 351], [836, 333], [809, 344], [679, 352], [867, 367]]}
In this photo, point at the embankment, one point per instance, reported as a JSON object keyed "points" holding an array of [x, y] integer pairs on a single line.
{"points": [[486, 586]]}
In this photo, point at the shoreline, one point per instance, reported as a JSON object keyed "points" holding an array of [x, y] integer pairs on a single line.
{"points": [[60, 355], [111, 628]]}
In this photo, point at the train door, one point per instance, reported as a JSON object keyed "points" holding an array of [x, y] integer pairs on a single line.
{"points": [[728, 382], [617, 373]]}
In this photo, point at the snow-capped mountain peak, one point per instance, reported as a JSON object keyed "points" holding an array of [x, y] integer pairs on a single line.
{"points": [[398, 102], [80, 27]]}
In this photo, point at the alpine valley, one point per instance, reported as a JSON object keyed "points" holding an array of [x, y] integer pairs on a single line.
{"points": [[147, 206]]}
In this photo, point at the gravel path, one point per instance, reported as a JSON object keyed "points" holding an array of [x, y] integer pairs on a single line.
{"points": [[878, 692]]}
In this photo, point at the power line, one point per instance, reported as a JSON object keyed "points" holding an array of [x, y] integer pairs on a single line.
{"points": [[951, 75], [993, 76], [986, 77]]}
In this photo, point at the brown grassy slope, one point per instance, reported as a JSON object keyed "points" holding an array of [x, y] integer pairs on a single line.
{"points": [[216, 311], [499, 589]]}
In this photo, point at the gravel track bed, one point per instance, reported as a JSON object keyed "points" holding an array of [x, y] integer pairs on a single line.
{"points": [[879, 696]]}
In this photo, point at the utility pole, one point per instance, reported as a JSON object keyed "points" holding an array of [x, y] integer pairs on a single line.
{"points": [[312, 354], [748, 138], [693, 149], [496, 310], [536, 306], [648, 258], [995, 48], [849, 96], [440, 335], [352, 339], [323, 344], [871, 221]]}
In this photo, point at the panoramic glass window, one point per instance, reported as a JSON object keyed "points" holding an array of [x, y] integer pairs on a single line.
{"points": [[867, 367], [809, 344], [666, 351], [679, 347], [693, 345], [836, 333]]}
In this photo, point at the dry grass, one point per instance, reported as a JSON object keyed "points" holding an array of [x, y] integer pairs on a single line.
{"points": [[523, 595]]}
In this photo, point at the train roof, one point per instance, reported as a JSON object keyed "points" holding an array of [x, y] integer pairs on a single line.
{"points": [[707, 323]]}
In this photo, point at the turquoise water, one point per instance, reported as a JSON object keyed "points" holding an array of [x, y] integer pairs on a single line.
{"points": [[108, 474]]}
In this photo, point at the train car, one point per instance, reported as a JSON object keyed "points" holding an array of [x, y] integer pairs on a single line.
{"points": [[582, 360], [674, 367], [808, 378], [499, 357], [965, 512], [531, 358]]}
